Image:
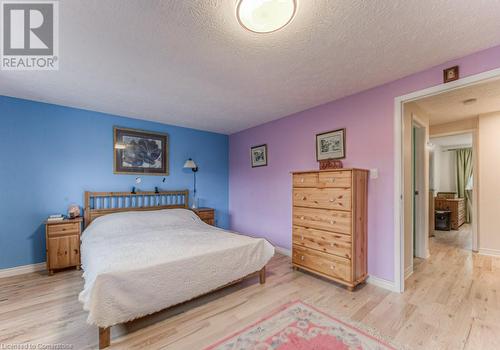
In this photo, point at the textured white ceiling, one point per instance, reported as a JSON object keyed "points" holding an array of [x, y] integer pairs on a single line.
{"points": [[449, 106], [190, 63]]}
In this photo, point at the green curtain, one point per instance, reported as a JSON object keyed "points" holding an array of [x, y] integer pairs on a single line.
{"points": [[464, 172]]}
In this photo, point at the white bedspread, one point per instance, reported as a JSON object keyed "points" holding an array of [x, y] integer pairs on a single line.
{"points": [[137, 263]]}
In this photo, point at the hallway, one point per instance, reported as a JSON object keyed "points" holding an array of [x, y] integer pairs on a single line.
{"points": [[457, 289], [461, 239]]}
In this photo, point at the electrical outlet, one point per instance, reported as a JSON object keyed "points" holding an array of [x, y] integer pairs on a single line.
{"points": [[373, 173]]}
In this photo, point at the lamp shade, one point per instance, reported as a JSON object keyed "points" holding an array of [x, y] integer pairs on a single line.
{"points": [[190, 164]]}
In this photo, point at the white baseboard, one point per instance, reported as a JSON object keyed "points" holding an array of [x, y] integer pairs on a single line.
{"points": [[283, 251], [382, 283], [19, 270], [489, 252], [379, 282], [408, 271]]}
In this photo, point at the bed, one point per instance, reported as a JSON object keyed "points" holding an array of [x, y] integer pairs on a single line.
{"points": [[144, 252]]}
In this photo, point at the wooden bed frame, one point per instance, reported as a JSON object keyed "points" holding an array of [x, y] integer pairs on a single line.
{"points": [[102, 203]]}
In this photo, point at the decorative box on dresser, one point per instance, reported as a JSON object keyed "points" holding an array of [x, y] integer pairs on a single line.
{"points": [[63, 244], [329, 224], [206, 215]]}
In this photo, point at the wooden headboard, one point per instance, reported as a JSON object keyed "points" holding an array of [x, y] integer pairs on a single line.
{"points": [[102, 203]]}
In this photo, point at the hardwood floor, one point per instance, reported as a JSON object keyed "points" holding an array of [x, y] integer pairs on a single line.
{"points": [[451, 302]]}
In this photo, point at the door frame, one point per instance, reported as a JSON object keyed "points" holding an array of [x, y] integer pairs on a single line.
{"points": [[398, 162], [421, 207]]}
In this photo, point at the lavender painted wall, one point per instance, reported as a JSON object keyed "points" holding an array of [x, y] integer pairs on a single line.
{"points": [[260, 198]]}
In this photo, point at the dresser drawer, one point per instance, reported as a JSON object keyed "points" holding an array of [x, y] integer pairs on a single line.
{"points": [[326, 198], [324, 263], [305, 180], [328, 242], [335, 179], [63, 229], [322, 219]]}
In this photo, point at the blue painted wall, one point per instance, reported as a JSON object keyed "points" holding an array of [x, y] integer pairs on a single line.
{"points": [[50, 155]]}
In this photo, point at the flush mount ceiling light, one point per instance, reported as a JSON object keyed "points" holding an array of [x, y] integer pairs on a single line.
{"points": [[265, 16]]}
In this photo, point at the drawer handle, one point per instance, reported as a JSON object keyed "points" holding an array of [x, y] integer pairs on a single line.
{"points": [[332, 267], [333, 179], [332, 200], [302, 218], [304, 198], [302, 180], [302, 237], [333, 222], [302, 257], [76, 251]]}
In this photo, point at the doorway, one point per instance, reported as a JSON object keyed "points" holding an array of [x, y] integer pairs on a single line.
{"points": [[405, 198], [451, 187]]}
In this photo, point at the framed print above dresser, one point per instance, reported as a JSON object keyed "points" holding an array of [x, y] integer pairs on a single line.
{"points": [[330, 145]]}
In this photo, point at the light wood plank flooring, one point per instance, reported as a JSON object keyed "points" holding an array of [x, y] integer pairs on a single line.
{"points": [[451, 302]]}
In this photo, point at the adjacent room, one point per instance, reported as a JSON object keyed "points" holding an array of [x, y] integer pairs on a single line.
{"points": [[249, 174], [450, 187]]}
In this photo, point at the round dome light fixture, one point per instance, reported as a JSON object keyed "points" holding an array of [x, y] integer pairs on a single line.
{"points": [[265, 16]]}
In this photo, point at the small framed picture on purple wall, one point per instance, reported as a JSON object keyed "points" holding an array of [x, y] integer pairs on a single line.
{"points": [[140, 152], [330, 145], [258, 155]]}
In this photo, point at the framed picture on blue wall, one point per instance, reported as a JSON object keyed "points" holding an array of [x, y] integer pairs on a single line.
{"points": [[140, 152]]}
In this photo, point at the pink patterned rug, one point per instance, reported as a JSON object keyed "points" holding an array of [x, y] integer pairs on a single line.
{"points": [[298, 326]]}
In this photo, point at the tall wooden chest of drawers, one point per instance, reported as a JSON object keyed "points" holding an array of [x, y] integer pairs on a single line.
{"points": [[329, 224]]}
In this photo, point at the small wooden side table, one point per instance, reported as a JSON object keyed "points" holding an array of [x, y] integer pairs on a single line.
{"points": [[63, 243], [206, 215]]}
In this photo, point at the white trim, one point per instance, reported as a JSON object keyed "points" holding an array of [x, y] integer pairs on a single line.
{"points": [[489, 252], [19, 270], [379, 282], [283, 251], [398, 197], [475, 189], [408, 271], [398, 169], [421, 173], [382, 283]]}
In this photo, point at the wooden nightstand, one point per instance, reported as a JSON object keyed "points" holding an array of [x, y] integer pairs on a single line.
{"points": [[206, 215], [63, 243]]}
